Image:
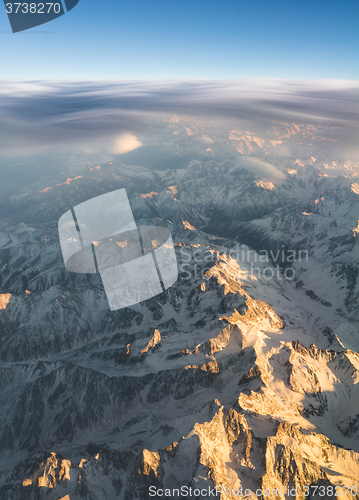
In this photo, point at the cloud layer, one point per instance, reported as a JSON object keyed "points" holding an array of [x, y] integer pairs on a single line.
{"points": [[38, 115]]}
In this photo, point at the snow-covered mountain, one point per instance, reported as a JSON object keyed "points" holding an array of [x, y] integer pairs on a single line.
{"points": [[241, 375]]}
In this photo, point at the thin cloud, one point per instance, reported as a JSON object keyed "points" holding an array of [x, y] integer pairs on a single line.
{"points": [[262, 168]]}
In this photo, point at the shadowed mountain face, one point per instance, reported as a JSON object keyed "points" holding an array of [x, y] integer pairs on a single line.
{"points": [[243, 375]]}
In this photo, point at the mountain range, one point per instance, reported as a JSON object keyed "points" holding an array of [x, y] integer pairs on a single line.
{"points": [[240, 377]]}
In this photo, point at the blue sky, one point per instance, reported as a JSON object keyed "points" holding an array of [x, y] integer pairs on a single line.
{"points": [[189, 39]]}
